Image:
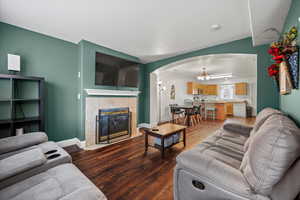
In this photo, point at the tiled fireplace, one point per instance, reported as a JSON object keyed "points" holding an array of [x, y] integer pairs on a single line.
{"points": [[94, 106]]}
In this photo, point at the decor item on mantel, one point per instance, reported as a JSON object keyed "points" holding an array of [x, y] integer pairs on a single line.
{"points": [[285, 71]]}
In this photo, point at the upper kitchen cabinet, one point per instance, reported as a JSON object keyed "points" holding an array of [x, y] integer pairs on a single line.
{"points": [[241, 88], [196, 88], [192, 88], [210, 90]]}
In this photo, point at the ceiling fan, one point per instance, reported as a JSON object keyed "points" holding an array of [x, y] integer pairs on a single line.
{"points": [[204, 76]]}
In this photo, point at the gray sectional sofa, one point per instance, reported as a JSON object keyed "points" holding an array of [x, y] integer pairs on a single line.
{"points": [[241, 162], [31, 167]]}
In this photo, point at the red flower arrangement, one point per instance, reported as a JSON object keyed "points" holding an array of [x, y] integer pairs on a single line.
{"points": [[277, 53], [281, 50], [273, 70], [273, 51], [278, 59]]}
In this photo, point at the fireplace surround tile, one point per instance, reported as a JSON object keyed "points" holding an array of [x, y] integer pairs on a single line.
{"points": [[93, 104]]}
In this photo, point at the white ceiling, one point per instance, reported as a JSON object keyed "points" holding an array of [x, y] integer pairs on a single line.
{"points": [[150, 30], [266, 15], [240, 65]]}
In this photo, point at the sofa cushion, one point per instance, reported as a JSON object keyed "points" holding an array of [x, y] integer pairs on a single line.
{"points": [[21, 162], [271, 152], [228, 140], [64, 182], [226, 154], [260, 119]]}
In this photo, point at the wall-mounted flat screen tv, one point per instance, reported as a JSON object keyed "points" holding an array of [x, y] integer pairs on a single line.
{"points": [[114, 71]]}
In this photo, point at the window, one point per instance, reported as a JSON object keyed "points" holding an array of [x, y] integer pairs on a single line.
{"points": [[226, 91]]}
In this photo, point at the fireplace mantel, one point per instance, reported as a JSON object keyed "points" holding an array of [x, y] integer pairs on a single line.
{"points": [[103, 92]]}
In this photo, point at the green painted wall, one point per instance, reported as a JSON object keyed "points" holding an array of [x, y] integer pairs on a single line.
{"points": [[87, 81], [290, 103], [60, 61], [267, 96], [57, 61]]}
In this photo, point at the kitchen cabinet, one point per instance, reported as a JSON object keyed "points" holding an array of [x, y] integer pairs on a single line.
{"points": [[192, 88], [221, 111], [225, 108], [200, 88], [197, 88], [241, 88], [210, 90], [229, 108]]}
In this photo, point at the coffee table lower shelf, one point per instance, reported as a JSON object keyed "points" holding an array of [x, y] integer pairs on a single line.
{"points": [[162, 135]]}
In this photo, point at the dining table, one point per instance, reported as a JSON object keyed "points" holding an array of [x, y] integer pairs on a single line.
{"points": [[187, 110]]}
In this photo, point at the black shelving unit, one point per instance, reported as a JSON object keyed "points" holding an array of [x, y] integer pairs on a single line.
{"points": [[13, 103]]}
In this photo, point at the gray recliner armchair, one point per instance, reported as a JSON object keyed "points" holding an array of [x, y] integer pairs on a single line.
{"points": [[27, 171], [26, 155], [240, 162]]}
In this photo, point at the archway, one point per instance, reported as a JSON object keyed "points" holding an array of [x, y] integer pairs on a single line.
{"points": [[242, 66]]}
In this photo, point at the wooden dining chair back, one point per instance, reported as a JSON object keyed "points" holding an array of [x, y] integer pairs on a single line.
{"points": [[191, 115], [177, 114], [198, 113]]}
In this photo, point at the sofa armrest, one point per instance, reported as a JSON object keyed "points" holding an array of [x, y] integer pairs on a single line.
{"points": [[209, 170], [236, 127], [21, 162], [15, 143]]}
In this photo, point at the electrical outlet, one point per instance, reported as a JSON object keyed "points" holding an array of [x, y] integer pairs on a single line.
{"points": [[79, 74], [78, 96]]}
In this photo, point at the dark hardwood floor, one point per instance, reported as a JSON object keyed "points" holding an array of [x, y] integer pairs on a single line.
{"points": [[123, 172]]}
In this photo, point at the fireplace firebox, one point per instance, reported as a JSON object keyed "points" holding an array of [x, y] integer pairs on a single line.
{"points": [[113, 125]]}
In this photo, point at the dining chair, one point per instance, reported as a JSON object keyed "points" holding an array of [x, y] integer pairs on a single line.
{"points": [[188, 102], [191, 115], [177, 114], [210, 111], [198, 113]]}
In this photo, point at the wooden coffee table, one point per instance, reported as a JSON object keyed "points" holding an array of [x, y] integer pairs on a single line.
{"points": [[164, 131]]}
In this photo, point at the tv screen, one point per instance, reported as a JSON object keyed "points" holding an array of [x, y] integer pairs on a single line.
{"points": [[114, 71]]}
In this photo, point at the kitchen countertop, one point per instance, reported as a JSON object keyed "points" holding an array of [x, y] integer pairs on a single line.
{"points": [[225, 101]]}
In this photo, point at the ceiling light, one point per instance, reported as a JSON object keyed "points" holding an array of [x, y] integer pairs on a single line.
{"points": [[215, 27], [221, 76], [205, 76]]}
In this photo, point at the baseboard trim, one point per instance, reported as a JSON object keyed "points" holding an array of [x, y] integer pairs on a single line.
{"points": [[70, 142], [99, 146], [82, 144]]}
